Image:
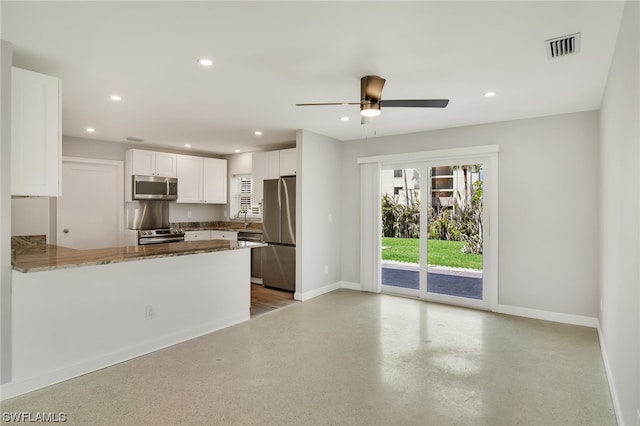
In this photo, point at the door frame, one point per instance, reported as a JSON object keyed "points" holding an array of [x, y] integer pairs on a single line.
{"points": [[488, 155], [119, 166]]}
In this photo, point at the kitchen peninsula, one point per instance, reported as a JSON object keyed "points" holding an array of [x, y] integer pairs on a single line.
{"points": [[76, 311]]}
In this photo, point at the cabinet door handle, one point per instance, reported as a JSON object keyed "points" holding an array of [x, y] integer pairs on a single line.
{"points": [[65, 230]]}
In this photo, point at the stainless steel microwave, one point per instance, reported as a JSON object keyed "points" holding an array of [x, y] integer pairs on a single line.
{"points": [[154, 188]]}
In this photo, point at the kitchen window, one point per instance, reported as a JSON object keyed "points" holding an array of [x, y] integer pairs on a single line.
{"points": [[242, 188]]}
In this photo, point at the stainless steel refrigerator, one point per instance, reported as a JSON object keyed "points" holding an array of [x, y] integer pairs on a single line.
{"points": [[279, 227]]}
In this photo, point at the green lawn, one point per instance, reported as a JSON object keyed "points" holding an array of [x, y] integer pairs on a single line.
{"points": [[441, 253]]}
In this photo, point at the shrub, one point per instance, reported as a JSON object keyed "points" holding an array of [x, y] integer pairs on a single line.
{"points": [[462, 222]]}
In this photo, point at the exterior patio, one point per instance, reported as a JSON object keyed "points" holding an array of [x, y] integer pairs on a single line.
{"points": [[441, 280]]}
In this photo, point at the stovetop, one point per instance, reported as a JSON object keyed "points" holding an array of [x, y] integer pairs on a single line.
{"points": [[163, 232]]}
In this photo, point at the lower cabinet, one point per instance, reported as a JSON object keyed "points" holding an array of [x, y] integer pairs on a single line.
{"points": [[197, 235], [224, 235], [210, 235]]}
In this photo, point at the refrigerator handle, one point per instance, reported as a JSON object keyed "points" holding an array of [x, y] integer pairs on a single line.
{"points": [[280, 193]]}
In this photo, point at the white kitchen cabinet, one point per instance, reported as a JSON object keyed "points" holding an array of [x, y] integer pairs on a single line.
{"points": [[36, 138], [266, 165], [210, 235], [288, 162], [151, 163], [147, 163], [214, 180], [197, 235], [224, 235], [201, 180]]}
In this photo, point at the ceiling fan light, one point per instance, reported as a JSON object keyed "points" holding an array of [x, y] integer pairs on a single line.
{"points": [[370, 110]]}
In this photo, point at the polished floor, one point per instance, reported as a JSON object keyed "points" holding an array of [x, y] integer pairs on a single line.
{"points": [[356, 359]]}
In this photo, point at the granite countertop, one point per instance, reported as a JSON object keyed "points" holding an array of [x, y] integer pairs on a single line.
{"points": [[218, 228], [50, 257], [229, 226]]}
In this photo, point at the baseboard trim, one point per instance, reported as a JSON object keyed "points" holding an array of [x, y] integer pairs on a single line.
{"points": [[350, 285], [13, 389], [612, 386], [302, 296], [547, 315]]}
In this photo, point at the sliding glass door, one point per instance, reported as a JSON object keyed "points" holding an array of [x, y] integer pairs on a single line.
{"points": [[433, 231]]}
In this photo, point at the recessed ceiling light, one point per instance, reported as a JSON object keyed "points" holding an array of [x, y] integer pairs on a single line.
{"points": [[344, 118], [258, 133], [90, 129], [188, 145], [205, 62], [237, 150], [490, 94], [116, 97]]}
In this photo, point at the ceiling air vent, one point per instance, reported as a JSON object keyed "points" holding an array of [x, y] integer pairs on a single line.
{"points": [[134, 139], [563, 46]]}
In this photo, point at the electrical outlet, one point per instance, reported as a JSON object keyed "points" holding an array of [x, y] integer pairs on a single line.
{"points": [[149, 312], [326, 269], [189, 214]]}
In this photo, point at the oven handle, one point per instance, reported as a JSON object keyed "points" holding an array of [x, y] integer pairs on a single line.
{"points": [[159, 240]]}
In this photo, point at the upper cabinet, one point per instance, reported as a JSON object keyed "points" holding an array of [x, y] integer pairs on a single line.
{"points": [[288, 162], [201, 180], [151, 163], [271, 165], [36, 138], [146, 163], [214, 180]]}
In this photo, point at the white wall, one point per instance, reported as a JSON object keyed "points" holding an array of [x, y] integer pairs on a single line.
{"points": [[620, 188], [240, 164], [548, 212], [5, 211], [99, 317], [30, 216], [319, 185]]}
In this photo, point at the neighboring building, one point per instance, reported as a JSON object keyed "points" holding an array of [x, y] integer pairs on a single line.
{"points": [[447, 184]]}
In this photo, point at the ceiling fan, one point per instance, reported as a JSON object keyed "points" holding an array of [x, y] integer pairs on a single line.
{"points": [[371, 102]]}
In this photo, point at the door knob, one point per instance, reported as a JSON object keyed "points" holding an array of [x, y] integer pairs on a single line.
{"points": [[65, 230]]}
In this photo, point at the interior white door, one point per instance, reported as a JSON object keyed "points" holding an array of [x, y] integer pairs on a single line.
{"points": [[90, 211]]}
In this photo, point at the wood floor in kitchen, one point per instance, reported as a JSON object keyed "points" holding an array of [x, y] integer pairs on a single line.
{"points": [[264, 299]]}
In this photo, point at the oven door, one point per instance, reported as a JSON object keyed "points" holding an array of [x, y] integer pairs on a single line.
{"points": [[159, 240]]}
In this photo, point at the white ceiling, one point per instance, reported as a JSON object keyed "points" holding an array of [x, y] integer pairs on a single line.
{"points": [[268, 56]]}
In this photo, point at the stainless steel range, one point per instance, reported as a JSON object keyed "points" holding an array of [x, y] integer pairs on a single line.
{"points": [[159, 236]]}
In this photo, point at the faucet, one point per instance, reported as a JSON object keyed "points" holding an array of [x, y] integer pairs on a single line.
{"points": [[244, 211]]}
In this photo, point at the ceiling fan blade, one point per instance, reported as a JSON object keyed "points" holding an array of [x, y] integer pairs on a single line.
{"points": [[415, 103], [330, 103], [371, 88]]}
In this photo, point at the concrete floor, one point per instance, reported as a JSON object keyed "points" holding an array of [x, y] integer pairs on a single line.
{"points": [[352, 358]]}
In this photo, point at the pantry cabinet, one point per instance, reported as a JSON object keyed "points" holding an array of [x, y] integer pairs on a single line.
{"points": [[201, 180], [36, 138]]}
